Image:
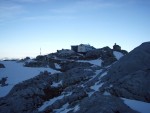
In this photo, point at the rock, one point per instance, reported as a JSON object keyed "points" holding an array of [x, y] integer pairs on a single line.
{"points": [[70, 65], [3, 81], [116, 47], [130, 76], [2, 65], [35, 64], [25, 97], [106, 54], [103, 104]]}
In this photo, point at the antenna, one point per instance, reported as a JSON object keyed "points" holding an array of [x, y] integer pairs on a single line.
{"points": [[40, 51]]}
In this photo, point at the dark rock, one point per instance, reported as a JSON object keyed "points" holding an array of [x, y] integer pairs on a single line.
{"points": [[130, 75], [35, 64], [106, 54], [103, 104], [2, 65], [116, 47], [3, 81], [70, 65]]}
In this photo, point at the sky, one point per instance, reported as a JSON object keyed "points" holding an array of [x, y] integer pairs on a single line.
{"points": [[28, 25]]}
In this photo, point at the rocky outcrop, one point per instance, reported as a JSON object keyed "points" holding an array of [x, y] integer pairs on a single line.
{"points": [[106, 54], [130, 76], [103, 104], [81, 87], [70, 65], [27, 96], [2, 65]]}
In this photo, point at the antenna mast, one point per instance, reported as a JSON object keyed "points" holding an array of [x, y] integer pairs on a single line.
{"points": [[40, 51]]}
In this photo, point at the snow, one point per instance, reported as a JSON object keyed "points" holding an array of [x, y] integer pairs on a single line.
{"points": [[98, 71], [96, 86], [56, 84], [76, 108], [90, 93], [106, 93], [139, 106], [50, 102], [57, 66], [105, 73], [63, 109], [16, 73], [117, 54], [97, 62]]}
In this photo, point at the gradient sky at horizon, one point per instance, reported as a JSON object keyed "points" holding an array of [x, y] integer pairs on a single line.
{"points": [[28, 25]]}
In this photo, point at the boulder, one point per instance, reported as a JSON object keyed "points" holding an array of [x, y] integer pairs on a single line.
{"points": [[130, 76], [103, 104]]}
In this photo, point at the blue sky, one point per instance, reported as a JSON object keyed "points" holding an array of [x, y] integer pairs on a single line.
{"points": [[28, 25]]}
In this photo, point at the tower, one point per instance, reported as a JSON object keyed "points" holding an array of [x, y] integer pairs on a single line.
{"points": [[40, 51]]}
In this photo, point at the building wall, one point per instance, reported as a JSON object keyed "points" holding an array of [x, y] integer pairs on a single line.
{"points": [[81, 48], [74, 48]]}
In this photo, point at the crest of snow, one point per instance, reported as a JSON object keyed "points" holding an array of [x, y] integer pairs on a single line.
{"points": [[117, 54], [105, 73], [97, 62], [96, 73], [139, 106], [90, 93], [17, 73], [96, 86], [76, 108], [56, 84], [63, 109], [50, 102], [106, 93], [57, 66]]}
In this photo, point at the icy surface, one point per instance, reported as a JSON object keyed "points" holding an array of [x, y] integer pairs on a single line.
{"points": [[16, 73], [117, 54], [139, 106]]}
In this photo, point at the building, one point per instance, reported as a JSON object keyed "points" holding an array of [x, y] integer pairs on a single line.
{"points": [[74, 48], [82, 48], [116, 47]]}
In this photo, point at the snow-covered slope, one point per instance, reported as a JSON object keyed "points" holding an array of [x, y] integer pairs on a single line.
{"points": [[139, 106], [83, 86], [16, 73], [117, 54]]}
